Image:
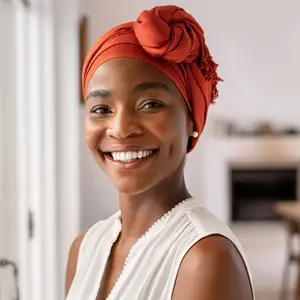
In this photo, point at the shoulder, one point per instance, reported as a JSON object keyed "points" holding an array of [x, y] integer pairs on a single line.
{"points": [[204, 220], [84, 245], [72, 260], [206, 224], [213, 269]]}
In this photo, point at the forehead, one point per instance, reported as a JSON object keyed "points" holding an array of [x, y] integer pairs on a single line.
{"points": [[129, 72]]}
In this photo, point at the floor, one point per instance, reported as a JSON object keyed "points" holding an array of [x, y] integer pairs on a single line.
{"points": [[264, 245]]}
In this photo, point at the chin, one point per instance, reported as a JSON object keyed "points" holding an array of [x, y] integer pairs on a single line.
{"points": [[133, 184]]}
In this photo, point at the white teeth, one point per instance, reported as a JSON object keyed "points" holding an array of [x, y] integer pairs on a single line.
{"points": [[131, 155], [128, 156], [122, 156]]}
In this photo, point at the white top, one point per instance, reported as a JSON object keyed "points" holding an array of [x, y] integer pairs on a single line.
{"points": [[153, 262]]}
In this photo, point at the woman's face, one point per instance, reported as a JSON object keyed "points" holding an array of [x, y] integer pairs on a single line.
{"points": [[137, 124]]}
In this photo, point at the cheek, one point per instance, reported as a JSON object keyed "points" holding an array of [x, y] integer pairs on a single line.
{"points": [[171, 127], [92, 133]]}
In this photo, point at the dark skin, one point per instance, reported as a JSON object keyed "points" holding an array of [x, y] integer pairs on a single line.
{"points": [[133, 106]]}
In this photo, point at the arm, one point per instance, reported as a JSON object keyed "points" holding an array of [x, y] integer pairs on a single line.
{"points": [[212, 270], [72, 261]]}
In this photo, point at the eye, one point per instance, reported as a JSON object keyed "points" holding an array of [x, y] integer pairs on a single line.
{"points": [[100, 111], [152, 104]]}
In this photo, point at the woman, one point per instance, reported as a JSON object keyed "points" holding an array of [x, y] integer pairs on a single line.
{"points": [[148, 85]]}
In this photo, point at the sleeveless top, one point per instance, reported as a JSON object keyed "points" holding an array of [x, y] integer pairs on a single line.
{"points": [[153, 262]]}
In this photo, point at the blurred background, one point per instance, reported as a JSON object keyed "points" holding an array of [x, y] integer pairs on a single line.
{"points": [[245, 168]]}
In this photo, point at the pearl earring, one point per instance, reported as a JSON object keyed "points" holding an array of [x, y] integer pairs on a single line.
{"points": [[195, 134]]}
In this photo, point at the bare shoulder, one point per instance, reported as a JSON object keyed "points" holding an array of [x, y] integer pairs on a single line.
{"points": [[212, 270], [72, 261]]}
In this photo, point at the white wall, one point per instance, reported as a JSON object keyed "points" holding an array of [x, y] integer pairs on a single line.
{"points": [[7, 95], [256, 43], [8, 200]]}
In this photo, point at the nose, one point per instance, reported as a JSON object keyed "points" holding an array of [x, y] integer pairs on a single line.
{"points": [[123, 125]]}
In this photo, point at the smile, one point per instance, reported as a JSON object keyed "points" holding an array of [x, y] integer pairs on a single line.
{"points": [[129, 156]]}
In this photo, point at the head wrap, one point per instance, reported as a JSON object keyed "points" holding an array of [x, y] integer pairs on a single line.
{"points": [[171, 40]]}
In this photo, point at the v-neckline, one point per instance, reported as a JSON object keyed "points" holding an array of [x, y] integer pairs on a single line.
{"points": [[117, 228]]}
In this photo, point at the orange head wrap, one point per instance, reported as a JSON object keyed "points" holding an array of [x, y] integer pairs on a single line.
{"points": [[171, 40]]}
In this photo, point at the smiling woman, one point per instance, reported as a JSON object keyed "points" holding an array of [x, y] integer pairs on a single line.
{"points": [[148, 85]]}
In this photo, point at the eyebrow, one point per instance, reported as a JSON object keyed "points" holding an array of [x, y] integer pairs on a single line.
{"points": [[141, 87], [98, 94], [144, 86]]}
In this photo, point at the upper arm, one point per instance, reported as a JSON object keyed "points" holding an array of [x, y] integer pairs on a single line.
{"points": [[213, 270], [72, 261]]}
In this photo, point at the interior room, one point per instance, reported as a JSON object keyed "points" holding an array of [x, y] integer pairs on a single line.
{"points": [[245, 167]]}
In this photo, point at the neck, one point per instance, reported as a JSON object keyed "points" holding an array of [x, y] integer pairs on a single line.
{"points": [[139, 212]]}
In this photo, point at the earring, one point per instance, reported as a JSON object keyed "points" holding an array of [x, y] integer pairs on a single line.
{"points": [[195, 134]]}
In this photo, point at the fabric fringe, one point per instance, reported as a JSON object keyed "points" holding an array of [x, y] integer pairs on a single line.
{"points": [[209, 70]]}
